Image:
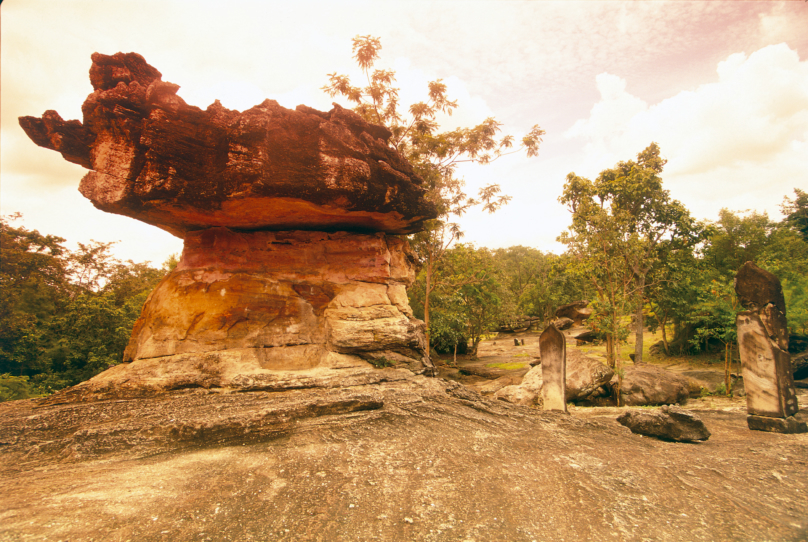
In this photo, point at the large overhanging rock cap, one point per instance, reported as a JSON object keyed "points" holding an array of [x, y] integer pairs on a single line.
{"points": [[155, 158]]}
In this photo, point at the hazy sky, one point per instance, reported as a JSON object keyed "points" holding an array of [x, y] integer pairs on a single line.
{"points": [[721, 86]]}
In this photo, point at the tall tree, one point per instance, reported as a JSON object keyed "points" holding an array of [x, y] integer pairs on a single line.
{"points": [[434, 154], [64, 315], [467, 295], [796, 212], [622, 225]]}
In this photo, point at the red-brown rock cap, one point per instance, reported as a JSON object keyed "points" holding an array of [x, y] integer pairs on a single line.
{"points": [[155, 158]]}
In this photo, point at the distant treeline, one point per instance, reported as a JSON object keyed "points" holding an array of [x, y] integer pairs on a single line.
{"points": [[67, 315]]}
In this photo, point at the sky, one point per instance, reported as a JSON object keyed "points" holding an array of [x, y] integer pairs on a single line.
{"points": [[722, 87]]}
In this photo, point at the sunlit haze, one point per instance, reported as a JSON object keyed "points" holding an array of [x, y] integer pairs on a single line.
{"points": [[721, 86]]}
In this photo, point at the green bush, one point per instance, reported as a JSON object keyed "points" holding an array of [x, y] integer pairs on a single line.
{"points": [[15, 387]]}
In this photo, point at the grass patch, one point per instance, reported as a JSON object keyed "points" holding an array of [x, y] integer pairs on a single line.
{"points": [[525, 355], [381, 363], [506, 366]]}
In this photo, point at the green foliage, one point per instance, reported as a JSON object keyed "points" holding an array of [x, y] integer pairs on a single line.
{"points": [[466, 295], [381, 363], [713, 316], [536, 283], [15, 387], [433, 154], [624, 224], [64, 315], [796, 212]]}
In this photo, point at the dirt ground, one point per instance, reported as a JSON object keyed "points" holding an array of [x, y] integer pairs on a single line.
{"points": [[407, 459]]}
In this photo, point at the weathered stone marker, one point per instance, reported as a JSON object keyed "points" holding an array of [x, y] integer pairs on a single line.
{"points": [[553, 349], [289, 271], [771, 400]]}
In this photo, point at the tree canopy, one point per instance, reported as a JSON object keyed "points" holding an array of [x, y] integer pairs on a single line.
{"points": [[434, 154]]}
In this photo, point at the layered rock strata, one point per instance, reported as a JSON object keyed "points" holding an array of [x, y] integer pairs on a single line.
{"points": [[289, 262], [157, 159], [771, 400]]}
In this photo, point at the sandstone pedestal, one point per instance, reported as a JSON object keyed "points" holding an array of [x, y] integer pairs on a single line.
{"points": [[771, 399]]}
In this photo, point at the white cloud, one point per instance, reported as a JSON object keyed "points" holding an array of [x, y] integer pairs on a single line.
{"points": [[745, 133]]}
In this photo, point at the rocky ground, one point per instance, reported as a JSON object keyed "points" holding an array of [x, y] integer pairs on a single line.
{"points": [[393, 457]]}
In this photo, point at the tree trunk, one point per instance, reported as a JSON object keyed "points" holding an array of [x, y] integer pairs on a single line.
{"points": [[727, 368], [639, 321], [473, 352], [665, 335], [426, 301], [610, 350]]}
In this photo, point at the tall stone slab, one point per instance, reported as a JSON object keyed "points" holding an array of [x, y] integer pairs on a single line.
{"points": [[553, 348], [771, 400]]}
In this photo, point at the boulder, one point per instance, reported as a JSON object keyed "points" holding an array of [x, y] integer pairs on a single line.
{"points": [[645, 384], [563, 323], [517, 395], [799, 365], [576, 311], [586, 337], [489, 388], [668, 423], [797, 344], [155, 158], [585, 375]]}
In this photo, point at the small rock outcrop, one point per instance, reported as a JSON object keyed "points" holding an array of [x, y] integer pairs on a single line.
{"points": [[577, 311], [563, 323], [585, 337], [645, 384], [584, 377], [669, 423], [771, 399], [289, 263]]}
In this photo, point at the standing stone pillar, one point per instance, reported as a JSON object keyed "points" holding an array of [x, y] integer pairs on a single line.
{"points": [[771, 400], [553, 348]]}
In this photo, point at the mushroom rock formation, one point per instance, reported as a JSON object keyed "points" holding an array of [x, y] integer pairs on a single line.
{"points": [[288, 262]]}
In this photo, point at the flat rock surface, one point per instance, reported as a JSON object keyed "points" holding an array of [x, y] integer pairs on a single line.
{"points": [[404, 458]]}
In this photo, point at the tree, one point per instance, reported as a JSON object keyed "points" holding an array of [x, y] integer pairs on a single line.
{"points": [[623, 224], [33, 282], [535, 283], [714, 319], [796, 212], [467, 295], [433, 154], [64, 315], [736, 238]]}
